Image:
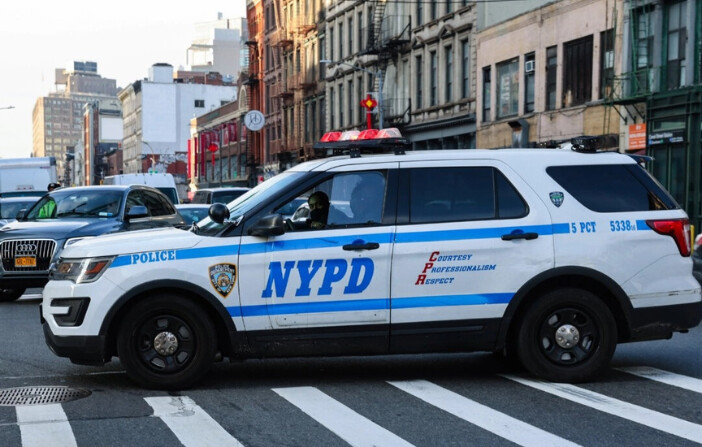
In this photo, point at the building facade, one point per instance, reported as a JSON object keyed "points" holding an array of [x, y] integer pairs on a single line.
{"points": [[545, 75], [156, 118], [219, 46], [58, 118]]}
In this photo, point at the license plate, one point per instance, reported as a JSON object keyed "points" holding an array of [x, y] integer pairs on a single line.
{"points": [[26, 261]]}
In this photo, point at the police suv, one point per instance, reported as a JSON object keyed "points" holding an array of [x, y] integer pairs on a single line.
{"points": [[549, 256]]}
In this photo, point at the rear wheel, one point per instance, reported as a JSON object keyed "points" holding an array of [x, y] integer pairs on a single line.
{"points": [[11, 294], [567, 335], [166, 342]]}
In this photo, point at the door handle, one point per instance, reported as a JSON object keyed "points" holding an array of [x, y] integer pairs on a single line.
{"points": [[513, 236], [366, 246]]}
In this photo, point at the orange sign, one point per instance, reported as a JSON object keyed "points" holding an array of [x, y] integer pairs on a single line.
{"points": [[637, 137]]}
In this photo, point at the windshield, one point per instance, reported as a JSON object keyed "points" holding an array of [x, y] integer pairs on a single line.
{"points": [[93, 203], [250, 199], [9, 210]]}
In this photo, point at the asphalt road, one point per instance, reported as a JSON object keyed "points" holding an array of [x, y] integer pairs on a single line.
{"points": [[423, 400]]}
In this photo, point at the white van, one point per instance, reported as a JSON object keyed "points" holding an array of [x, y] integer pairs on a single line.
{"points": [[163, 182], [26, 176]]}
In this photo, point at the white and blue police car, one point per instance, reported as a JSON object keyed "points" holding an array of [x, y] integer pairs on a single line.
{"points": [[550, 256]]}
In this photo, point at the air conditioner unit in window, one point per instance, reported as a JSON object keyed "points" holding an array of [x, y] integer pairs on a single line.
{"points": [[528, 66]]}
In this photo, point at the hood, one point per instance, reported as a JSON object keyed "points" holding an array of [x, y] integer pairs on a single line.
{"points": [[132, 242], [59, 229]]}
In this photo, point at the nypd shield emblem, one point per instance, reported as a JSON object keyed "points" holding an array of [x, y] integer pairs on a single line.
{"points": [[223, 278], [556, 198]]}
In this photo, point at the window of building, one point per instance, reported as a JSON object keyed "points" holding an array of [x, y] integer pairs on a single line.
{"points": [[577, 72], [448, 74], [507, 88], [331, 108], [359, 109], [677, 43], [350, 33], [433, 97], [419, 11], [606, 63], [351, 103], [487, 99], [418, 82], [341, 40], [449, 6], [342, 123], [433, 7], [200, 103], [465, 68], [551, 70], [331, 42], [529, 69], [322, 55], [361, 43], [462, 193]]}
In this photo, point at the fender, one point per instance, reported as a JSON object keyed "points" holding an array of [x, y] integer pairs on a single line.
{"points": [[237, 341], [552, 276]]}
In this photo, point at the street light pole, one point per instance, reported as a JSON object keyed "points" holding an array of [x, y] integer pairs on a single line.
{"points": [[378, 74]]}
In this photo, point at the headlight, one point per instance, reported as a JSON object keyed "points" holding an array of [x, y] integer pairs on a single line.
{"points": [[80, 270]]}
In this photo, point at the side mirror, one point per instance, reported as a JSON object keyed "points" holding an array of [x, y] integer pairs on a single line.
{"points": [[137, 212], [20, 214], [270, 225], [218, 212]]}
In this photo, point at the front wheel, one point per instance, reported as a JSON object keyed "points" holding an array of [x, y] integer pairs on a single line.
{"points": [[567, 335], [11, 294], [166, 342]]}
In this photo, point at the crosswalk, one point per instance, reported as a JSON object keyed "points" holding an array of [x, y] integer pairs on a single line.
{"points": [[328, 409]]}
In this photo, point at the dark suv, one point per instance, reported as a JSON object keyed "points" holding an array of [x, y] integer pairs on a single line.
{"points": [[29, 245]]}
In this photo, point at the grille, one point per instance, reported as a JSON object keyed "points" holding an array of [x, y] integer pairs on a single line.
{"points": [[40, 395], [40, 249]]}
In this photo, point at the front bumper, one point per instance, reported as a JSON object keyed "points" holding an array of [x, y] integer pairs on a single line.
{"points": [[80, 349], [25, 280]]}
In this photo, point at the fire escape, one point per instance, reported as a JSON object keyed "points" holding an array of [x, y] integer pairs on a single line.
{"points": [[387, 35], [629, 90]]}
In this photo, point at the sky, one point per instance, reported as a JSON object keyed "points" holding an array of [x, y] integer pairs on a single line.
{"points": [[125, 38]]}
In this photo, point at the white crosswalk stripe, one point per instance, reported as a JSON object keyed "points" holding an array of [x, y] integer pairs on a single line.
{"points": [[669, 378], [44, 425], [340, 419], [190, 423], [606, 404], [498, 423]]}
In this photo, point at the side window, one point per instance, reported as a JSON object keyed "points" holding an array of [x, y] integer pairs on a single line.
{"points": [[155, 204], [463, 193], [134, 198], [350, 198], [613, 188]]}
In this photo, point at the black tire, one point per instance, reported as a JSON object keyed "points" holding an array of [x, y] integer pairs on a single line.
{"points": [[11, 294], [567, 313], [174, 320]]}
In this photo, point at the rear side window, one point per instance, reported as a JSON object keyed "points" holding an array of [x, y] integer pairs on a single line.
{"points": [[613, 188], [462, 193]]}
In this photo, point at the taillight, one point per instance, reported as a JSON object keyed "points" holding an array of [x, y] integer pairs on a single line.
{"points": [[678, 229]]}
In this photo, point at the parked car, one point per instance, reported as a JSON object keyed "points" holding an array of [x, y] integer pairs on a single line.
{"points": [[218, 195], [10, 206], [193, 212], [697, 264], [64, 216]]}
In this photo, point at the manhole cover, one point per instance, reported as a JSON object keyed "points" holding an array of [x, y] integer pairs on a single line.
{"points": [[39, 395]]}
